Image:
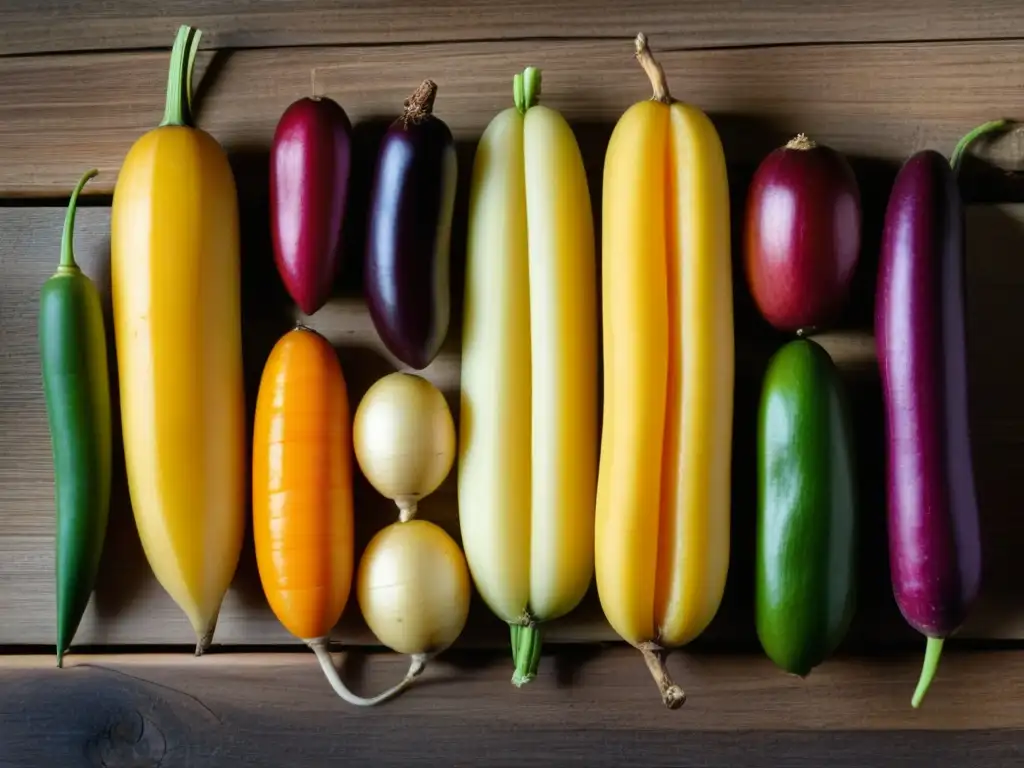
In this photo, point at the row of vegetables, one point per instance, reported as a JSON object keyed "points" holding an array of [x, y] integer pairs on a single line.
{"points": [[549, 495]]}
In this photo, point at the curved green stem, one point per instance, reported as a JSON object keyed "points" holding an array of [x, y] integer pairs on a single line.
{"points": [[931, 663], [178, 106], [67, 253], [961, 146], [518, 94], [526, 654]]}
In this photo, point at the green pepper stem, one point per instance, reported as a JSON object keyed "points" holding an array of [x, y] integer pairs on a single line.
{"points": [[961, 146], [931, 663], [67, 252], [178, 107], [526, 654]]}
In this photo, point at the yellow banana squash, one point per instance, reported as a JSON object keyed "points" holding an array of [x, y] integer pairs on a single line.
{"points": [[663, 499], [177, 322], [528, 418]]}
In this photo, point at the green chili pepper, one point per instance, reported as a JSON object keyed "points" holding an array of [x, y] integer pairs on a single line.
{"points": [[73, 350]]}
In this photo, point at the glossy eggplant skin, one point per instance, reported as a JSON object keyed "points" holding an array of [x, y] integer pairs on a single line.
{"points": [[802, 236], [406, 275], [310, 162], [934, 540]]}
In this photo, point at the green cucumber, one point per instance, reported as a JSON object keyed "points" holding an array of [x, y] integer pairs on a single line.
{"points": [[806, 509], [73, 351]]}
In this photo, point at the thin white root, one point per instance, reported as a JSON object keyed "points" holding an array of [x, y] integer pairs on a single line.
{"points": [[417, 663]]}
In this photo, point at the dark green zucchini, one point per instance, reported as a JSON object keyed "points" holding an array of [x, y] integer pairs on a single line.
{"points": [[73, 350], [806, 517]]}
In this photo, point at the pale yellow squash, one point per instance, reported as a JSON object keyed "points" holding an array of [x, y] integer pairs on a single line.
{"points": [[528, 422]]}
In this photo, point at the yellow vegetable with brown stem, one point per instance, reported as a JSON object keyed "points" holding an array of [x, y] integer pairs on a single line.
{"points": [[662, 529], [177, 322]]}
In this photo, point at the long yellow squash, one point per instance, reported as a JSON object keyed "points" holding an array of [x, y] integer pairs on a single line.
{"points": [[662, 530], [528, 421], [177, 322]]}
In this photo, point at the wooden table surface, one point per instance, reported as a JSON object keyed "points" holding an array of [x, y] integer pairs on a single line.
{"points": [[875, 79]]}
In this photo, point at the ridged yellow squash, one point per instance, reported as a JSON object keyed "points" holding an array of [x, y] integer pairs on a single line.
{"points": [[528, 418], [663, 502], [177, 323]]}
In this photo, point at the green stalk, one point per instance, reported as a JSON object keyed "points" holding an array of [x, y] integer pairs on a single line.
{"points": [[67, 253], [526, 89], [518, 95], [526, 655], [515, 630], [177, 107], [961, 146], [931, 663]]}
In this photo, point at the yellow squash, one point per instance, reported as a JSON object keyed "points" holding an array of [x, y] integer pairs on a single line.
{"points": [[528, 418], [662, 529], [177, 322]]}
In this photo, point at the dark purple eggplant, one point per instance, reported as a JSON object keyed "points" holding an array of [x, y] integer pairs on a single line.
{"points": [[934, 539], [407, 261]]}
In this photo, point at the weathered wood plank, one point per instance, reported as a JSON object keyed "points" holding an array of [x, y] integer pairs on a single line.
{"points": [[610, 687], [876, 102], [595, 708], [130, 608], [37, 26]]}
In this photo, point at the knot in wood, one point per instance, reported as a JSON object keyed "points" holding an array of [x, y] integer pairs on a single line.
{"points": [[131, 741]]}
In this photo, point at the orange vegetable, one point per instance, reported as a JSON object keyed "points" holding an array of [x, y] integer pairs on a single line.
{"points": [[302, 485], [302, 494]]}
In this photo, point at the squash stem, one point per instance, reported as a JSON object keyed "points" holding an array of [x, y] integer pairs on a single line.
{"points": [[653, 70], [531, 87], [518, 95], [671, 694], [178, 106], [526, 89], [417, 663], [67, 252], [515, 630], [932, 653], [526, 654], [961, 146]]}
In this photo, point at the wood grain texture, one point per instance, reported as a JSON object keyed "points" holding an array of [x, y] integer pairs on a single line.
{"points": [[45, 26], [597, 706], [877, 103], [130, 608]]}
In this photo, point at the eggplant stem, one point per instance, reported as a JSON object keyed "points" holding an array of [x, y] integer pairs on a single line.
{"points": [[420, 105], [417, 663], [801, 142], [653, 70], [961, 146], [932, 653], [67, 252], [671, 694]]}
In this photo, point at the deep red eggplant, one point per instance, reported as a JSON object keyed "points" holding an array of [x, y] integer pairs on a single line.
{"points": [[406, 273], [934, 539], [802, 235], [310, 160]]}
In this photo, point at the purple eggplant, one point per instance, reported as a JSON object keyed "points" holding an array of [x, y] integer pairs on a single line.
{"points": [[934, 540], [407, 262]]}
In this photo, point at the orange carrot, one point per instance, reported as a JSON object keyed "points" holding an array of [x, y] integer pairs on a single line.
{"points": [[302, 494]]}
